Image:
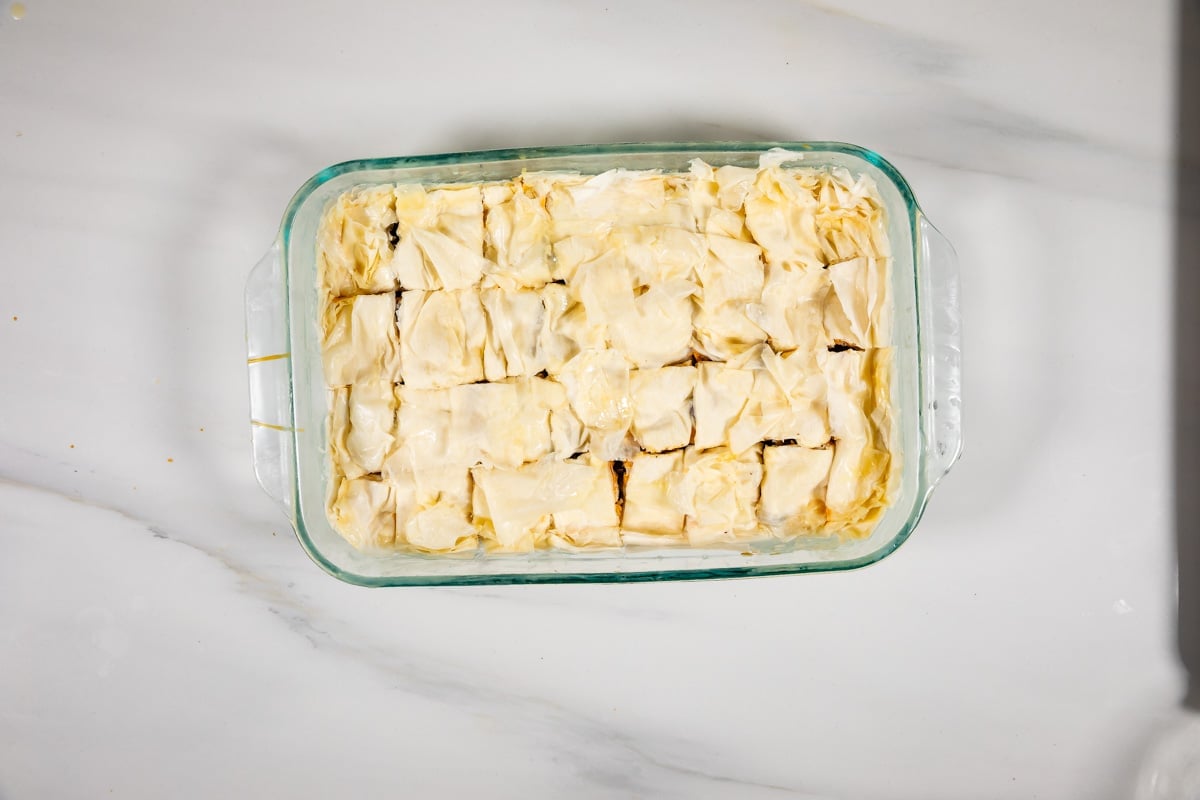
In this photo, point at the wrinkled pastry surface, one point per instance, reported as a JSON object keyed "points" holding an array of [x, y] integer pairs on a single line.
{"points": [[632, 358]]}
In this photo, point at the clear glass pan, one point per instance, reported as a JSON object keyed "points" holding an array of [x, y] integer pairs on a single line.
{"points": [[288, 396]]}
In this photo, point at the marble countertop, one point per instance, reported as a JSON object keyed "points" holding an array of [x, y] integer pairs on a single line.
{"points": [[162, 633]]}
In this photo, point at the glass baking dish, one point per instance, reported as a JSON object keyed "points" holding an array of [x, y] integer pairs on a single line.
{"points": [[288, 400]]}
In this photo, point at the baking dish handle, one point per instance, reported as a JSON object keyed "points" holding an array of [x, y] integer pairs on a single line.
{"points": [[943, 353], [268, 361]]}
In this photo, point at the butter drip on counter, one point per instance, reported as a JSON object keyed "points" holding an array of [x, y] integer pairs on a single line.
{"points": [[631, 358]]}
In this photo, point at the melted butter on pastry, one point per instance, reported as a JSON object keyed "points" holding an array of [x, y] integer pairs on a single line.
{"points": [[792, 307], [560, 337], [792, 499], [422, 430], [515, 321], [442, 337], [439, 528], [648, 486], [616, 199], [858, 310], [574, 296], [801, 384], [440, 237], [588, 513], [662, 407], [781, 215], [497, 424], [733, 186], [658, 330], [849, 217], [521, 507], [767, 396], [651, 326], [572, 252], [646, 256], [598, 387], [659, 254], [433, 509], [518, 237], [720, 395], [786, 401], [336, 429], [359, 339], [605, 290], [718, 197], [860, 420], [507, 511], [718, 493], [362, 510], [362, 425], [353, 251], [568, 436], [731, 280]]}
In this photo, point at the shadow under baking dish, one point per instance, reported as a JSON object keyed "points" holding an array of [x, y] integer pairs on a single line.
{"points": [[288, 394]]}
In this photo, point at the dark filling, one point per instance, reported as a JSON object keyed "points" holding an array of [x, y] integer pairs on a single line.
{"points": [[619, 472], [393, 235]]}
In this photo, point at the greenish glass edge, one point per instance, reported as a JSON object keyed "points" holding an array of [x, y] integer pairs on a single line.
{"points": [[625, 148]]}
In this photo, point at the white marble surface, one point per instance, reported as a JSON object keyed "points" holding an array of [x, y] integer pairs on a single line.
{"points": [[161, 632]]}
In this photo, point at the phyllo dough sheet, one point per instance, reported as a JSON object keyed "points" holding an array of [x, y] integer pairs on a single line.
{"points": [[632, 358]]}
